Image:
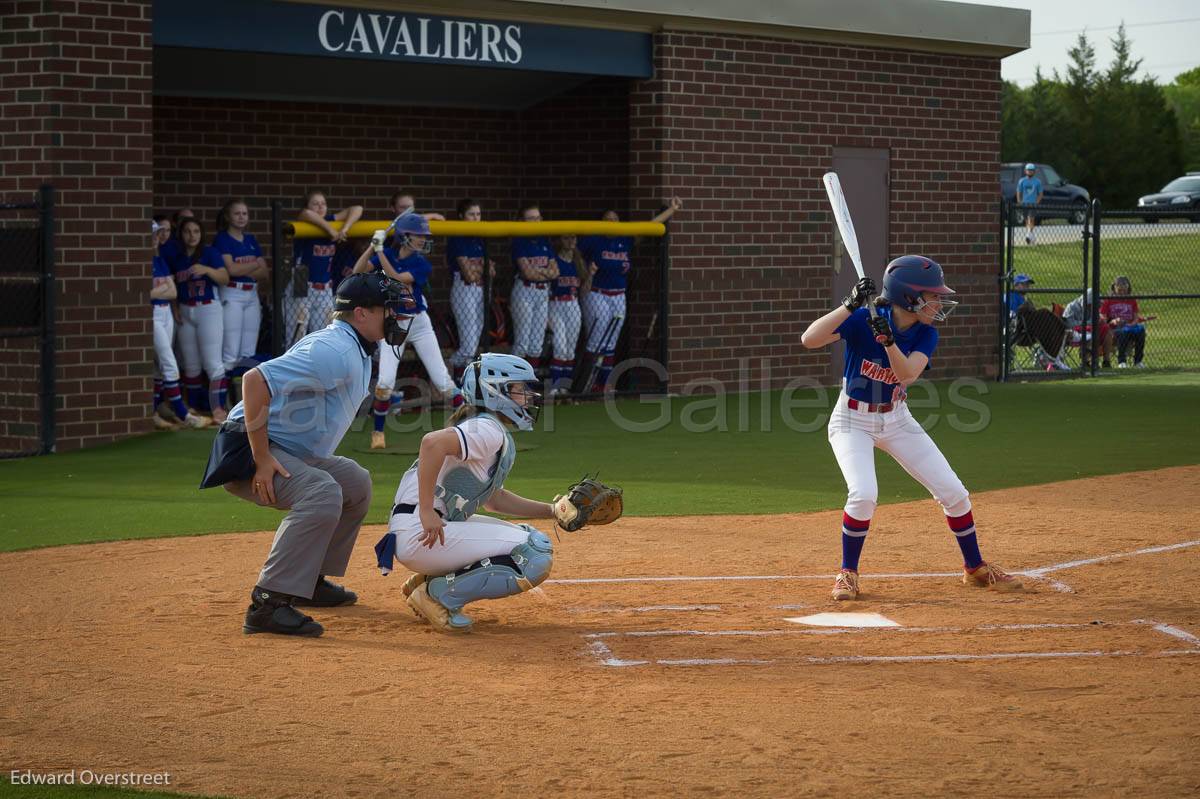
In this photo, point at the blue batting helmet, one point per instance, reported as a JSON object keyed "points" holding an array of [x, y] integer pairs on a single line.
{"points": [[413, 223], [907, 276]]}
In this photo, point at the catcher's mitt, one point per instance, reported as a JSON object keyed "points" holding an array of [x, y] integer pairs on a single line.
{"points": [[588, 502]]}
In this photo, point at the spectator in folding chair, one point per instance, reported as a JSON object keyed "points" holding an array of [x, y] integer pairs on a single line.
{"points": [[1122, 314], [1045, 332], [1078, 315]]}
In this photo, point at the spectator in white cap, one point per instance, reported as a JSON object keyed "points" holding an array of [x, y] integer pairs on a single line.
{"points": [[1029, 194]]}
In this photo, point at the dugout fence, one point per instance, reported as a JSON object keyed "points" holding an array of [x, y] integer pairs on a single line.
{"points": [[1054, 327], [27, 330], [502, 312]]}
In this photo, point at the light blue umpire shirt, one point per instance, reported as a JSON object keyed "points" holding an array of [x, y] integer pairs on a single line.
{"points": [[316, 389]]}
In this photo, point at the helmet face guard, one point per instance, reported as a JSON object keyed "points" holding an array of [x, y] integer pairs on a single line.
{"points": [[424, 247], [947, 307], [396, 323]]}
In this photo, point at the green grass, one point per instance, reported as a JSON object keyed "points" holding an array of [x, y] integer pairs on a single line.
{"points": [[1036, 433], [1154, 265]]}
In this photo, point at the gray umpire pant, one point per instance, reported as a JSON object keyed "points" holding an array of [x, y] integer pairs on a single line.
{"points": [[326, 500]]}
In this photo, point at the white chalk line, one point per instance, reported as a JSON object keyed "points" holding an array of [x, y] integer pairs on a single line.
{"points": [[605, 656], [646, 609], [1035, 573]]}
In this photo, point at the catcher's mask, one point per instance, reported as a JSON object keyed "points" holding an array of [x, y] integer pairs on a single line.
{"points": [[488, 382]]}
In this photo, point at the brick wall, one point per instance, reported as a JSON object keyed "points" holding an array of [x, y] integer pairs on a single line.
{"points": [[744, 127], [75, 107]]}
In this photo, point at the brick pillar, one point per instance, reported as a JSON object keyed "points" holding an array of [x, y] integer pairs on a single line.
{"points": [[75, 100]]}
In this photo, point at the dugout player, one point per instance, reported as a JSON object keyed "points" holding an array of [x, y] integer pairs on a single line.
{"points": [[603, 307], [199, 273], [276, 450], [884, 355], [308, 301], [244, 261], [534, 269], [465, 258]]}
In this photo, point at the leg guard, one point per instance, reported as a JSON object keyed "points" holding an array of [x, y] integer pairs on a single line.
{"points": [[494, 578]]}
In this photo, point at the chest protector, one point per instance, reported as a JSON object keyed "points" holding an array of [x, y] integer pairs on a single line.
{"points": [[462, 492]]}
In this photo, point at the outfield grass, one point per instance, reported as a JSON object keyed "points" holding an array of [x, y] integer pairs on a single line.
{"points": [[1035, 433], [1154, 265]]}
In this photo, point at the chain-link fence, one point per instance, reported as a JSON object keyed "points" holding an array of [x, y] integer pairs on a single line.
{"points": [[27, 403], [1139, 264], [585, 330]]}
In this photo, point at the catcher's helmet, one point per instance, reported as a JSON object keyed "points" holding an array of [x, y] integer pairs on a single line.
{"points": [[486, 385], [907, 276], [411, 224]]}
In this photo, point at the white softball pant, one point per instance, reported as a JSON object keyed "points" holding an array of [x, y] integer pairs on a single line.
{"points": [[200, 335], [530, 307], [600, 310], [164, 337], [316, 307], [424, 341], [564, 325], [854, 434], [242, 317], [467, 303], [466, 542]]}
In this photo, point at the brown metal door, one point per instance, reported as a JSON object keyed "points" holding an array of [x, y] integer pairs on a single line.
{"points": [[863, 173]]}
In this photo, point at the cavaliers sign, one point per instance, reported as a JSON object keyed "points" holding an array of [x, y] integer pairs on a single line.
{"points": [[273, 26]]}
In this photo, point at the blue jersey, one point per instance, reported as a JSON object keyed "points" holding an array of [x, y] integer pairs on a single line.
{"points": [[417, 266], [867, 375], [610, 254], [342, 265], [470, 247], [1028, 190], [195, 289], [171, 249], [317, 255], [243, 252], [161, 272], [566, 285], [537, 249]]}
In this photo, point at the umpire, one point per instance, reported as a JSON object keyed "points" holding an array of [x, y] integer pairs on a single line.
{"points": [[276, 449]]}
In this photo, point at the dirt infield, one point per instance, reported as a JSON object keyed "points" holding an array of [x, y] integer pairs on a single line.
{"points": [[130, 656]]}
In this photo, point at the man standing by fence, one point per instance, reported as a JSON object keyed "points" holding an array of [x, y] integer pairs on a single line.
{"points": [[1029, 194]]}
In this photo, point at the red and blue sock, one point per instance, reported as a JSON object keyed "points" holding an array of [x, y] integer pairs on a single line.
{"points": [[218, 393], [381, 408], [561, 370], [158, 395], [174, 396], [854, 535], [963, 528], [195, 392], [603, 373]]}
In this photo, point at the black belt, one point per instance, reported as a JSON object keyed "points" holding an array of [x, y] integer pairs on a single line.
{"points": [[404, 507]]}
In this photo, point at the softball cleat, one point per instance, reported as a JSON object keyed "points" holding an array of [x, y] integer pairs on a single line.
{"points": [[988, 576], [845, 585]]}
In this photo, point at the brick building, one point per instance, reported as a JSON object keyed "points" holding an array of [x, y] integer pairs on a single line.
{"points": [[129, 107]]}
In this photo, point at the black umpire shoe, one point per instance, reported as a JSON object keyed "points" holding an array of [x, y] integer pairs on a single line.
{"points": [[327, 595], [272, 612]]}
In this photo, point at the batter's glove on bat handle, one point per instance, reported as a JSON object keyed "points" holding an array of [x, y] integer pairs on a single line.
{"points": [[883, 330], [588, 502], [859, 294], [377, 240]]}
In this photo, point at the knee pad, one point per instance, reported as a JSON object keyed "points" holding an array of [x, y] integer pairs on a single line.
{"points": [[527, 566]]}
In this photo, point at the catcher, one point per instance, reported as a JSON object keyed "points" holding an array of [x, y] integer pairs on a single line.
{"points": [[461, 557]]}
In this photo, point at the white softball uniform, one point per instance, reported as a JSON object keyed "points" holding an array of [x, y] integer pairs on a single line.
{"points": [[242, 316], [164, 336], [530, 308], [316, 306], [601, 308], [479, 536], [467, 303], [564, 325], [424, 340], [200, 334], [854, 434]]}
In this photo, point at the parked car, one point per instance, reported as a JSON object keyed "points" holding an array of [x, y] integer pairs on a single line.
{"points": [[1180, 197], [1070, 201]]}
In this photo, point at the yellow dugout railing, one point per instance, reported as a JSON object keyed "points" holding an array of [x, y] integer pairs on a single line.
{"points": [[491, 230]]}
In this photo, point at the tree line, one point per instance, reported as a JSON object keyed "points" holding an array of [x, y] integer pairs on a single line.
{"points": [[1116, 135]]}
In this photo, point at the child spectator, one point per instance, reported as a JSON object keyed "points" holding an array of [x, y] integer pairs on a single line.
{"points": [[1078, 314], [1121, 313]]}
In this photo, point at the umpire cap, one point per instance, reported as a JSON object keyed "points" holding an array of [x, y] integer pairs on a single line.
{"points": [[366, 291]]}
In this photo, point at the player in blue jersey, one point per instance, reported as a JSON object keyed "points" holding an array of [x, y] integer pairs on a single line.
{"points": [[199, 273], [573, 278], [244, 261], [603, 307], [308, 301], [884, 355], [163, 293], [407, 264], [533, 272], [466, 257]]}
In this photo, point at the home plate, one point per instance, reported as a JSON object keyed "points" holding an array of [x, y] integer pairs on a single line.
{"points": [[844, 620]]}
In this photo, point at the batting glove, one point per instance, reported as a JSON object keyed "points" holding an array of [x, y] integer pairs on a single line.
{"points": [[883, 331], [377, 240], [859, 294]]}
